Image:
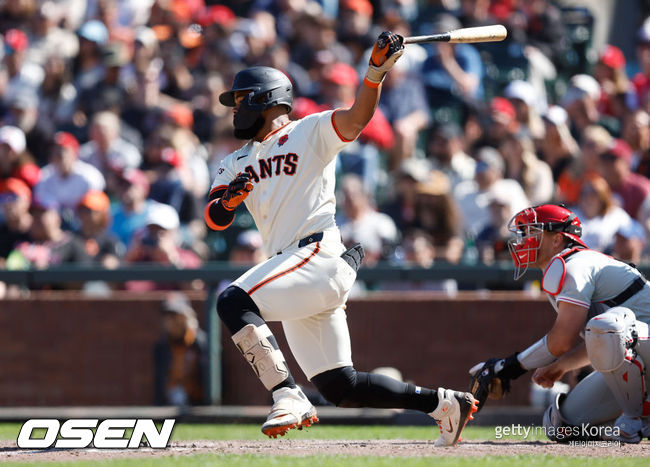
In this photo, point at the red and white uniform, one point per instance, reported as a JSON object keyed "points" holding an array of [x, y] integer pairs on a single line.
{"points": [[293, 173]]}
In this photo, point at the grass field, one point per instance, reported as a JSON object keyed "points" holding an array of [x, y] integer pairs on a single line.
{"points": [[249, 435]]}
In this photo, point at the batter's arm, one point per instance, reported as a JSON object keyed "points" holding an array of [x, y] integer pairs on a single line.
{"points": [[216, 216], [351, 122]]}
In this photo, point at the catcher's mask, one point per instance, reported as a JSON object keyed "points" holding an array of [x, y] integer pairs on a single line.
{"points": [[528, 227], [266, 87]]}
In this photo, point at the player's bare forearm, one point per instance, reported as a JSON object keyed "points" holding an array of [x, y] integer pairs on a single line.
{"points": [[575, 358], [351, 122], [566, 331]]}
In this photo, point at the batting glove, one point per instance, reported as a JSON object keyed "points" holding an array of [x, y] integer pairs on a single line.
{"points": [[491, 379], [237, 191], [388, 48]]}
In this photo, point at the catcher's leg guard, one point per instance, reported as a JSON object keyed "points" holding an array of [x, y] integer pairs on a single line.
{"points": [[610, 339]]}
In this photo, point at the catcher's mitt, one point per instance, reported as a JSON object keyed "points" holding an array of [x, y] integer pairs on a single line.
{"points": [[491, 379]]}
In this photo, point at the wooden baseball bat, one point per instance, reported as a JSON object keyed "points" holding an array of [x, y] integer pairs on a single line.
{"points": [[492, 33]]}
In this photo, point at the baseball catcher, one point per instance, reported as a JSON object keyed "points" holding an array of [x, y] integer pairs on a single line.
{"points": [[285, 175], [603, 311]]}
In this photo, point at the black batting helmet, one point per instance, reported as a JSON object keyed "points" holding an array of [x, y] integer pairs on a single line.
{"points": [[270, 87]]}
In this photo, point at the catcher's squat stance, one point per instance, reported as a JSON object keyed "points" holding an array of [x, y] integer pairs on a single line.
{"points": [[285, 176], [605, 301]]}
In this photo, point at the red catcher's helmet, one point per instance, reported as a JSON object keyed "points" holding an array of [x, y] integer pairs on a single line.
{"points": [[529, 225]]}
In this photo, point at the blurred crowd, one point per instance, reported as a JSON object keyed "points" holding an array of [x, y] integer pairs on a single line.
{"points": [[111, 128]]}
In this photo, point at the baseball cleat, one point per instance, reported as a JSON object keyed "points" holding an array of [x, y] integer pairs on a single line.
{"points": [[291, 409], [454, 410], [632, 429]]}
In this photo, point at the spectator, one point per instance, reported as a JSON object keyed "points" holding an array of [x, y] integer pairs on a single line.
{"points": [[581, 103], [66, 179], [48, 39], [445, 150], [558, 148], [16, 73], [49, 245], [130, 212], [106, 150], [522, 165], [401, 208], [14, 160], [247, 249], [595, 141], [181, 356], [101, 246], [24, 114], [453, 73], [403, 103], [492, 241], [363, 224], [641, 80], [601, 217], [502, 122], [636, 133], [617, 93], [631, 189], [89, 66], [15, 199], [523, 97], [57, 96], [159, 243], [473, 196], [437, 214], [629, 244]]}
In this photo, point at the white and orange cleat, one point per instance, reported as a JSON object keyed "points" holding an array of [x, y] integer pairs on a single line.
{"points": [[454, 410], [291, 409]]}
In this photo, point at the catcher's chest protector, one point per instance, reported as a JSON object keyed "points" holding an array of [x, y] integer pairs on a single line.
{"points": [[555, 272]]}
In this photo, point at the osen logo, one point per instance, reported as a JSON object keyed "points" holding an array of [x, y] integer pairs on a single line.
{"points": [[81, 433]]}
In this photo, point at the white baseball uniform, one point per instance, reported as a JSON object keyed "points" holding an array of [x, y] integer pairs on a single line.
{"points": [[590, 279], [293, 174]]}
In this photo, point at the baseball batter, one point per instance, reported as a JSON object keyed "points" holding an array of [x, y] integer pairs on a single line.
{"points": [[285, 176], [597, 298]]}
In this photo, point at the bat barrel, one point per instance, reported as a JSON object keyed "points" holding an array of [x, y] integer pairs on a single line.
{"points": [[493, 33]]}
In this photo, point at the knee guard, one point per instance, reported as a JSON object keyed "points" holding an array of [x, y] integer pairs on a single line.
{"points": [[237, 309], [610, 339], [334, 385], [267, 361]]}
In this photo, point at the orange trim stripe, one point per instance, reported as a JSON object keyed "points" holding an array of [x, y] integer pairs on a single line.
{"points": [[217, 188], [275, 131], [208, 220], [338, 133], [286, 271], [370, 84]]}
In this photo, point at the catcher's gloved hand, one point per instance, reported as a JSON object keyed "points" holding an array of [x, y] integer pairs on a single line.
{"points": [[388, 48], [237, 191], [492, 378]]}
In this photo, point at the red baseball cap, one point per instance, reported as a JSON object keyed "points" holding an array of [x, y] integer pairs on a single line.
{"points": [[181, 115], [216, 14], [172, 157], [66, 140], [16, 40], [135, 177], [501, 105], [612, 57], [360, 6], [342, 74], [619, 149], [17, 187]]}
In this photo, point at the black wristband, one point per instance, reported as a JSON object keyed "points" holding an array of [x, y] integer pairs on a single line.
{"points": [[512, 369]]}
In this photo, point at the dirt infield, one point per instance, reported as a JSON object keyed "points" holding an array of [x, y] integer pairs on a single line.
{"points": [[398, 448]]}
